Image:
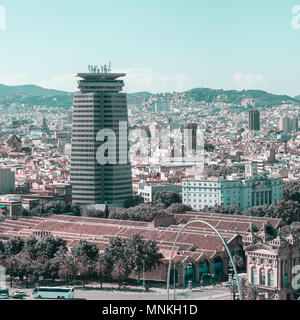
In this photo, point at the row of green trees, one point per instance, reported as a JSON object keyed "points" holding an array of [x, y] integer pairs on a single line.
{"points": [[287, 210], [164, 203], [55, 207], [50, 258]]}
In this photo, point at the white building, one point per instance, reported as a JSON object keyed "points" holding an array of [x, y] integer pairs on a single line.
{"points": [[243, 191], [7, 180]]}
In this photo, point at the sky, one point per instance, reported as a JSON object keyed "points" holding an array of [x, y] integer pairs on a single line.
{"points": [[162, 45]]}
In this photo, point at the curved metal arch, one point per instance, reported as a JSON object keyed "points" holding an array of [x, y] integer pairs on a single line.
{"points": [[225, 244]]}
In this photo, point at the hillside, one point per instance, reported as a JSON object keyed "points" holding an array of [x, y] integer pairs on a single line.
{"points": [[29, 90], [257, 98], [35, 95]]}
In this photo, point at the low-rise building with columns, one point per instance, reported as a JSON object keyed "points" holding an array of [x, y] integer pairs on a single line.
{"points": [[242, 190]]}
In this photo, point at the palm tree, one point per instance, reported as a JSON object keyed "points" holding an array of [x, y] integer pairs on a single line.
{"points": [[119, 273], [84, 268], [100, 270], [11, 264], [66, 269], [24, 266], [253, 292]]}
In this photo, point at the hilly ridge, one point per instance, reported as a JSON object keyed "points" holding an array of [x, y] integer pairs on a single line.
{"points": [[29, 90], [35, 95]]}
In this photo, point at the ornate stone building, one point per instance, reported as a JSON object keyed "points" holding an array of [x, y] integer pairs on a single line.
{"points": [[272, 265]]}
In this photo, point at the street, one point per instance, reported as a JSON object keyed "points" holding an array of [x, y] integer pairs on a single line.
{"points": [[109, 292]]}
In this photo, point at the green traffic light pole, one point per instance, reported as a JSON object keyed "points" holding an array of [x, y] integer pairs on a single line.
{"points": [[225, 244]]}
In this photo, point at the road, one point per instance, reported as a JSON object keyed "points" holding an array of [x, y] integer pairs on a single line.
{"points": [[137, 293]]}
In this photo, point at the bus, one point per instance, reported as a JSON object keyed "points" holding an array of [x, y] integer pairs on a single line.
{"points": [[53, 293]]}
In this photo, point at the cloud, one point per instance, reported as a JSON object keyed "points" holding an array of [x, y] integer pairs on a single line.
{"points": [[64, 82], [13, 79], [138, 79], [248, 81]]}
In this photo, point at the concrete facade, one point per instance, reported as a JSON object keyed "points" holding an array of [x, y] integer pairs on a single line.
{"points": [[99, 105], [7, 180]]}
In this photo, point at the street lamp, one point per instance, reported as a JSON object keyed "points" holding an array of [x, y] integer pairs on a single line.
{"points": [[144, 284], [226, 247], [174, 281]]}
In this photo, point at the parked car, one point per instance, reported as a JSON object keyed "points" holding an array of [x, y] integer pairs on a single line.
{"points": [[4, 296], [18, 294]]}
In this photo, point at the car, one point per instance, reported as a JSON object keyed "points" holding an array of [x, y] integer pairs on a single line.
{"points": [[227, 284], [4, 296], [18, 294]]}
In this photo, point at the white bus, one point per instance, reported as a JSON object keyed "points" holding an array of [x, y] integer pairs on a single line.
{"points": [[53, 293]]}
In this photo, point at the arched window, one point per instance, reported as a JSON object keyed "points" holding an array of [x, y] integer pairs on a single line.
{"points": [[253, 276], [262, 276], [271, 278], [203, 270], [218, 268], [286, 276]]}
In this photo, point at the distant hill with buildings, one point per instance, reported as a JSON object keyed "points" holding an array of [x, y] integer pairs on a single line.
{"points": [[35, 95], [29, 90], [256, 98]]}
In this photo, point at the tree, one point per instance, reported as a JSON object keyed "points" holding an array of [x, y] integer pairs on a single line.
{"points": [[14, 246], [143, 212], [84, 268], [2, 250], [291, 190], [36, 270], [141, 254], [119, 272], [31, 247], [99, 269], [68, 268], [221, 209], [24, 263], [166, 198], [258, 211], [48, 246], [287, 210], [178, 208], [51, 268], [11, 265], [115, 252], [252, 292], [135, 201], [75, 209], [94, 213], [35, 212], [85, 249]]}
